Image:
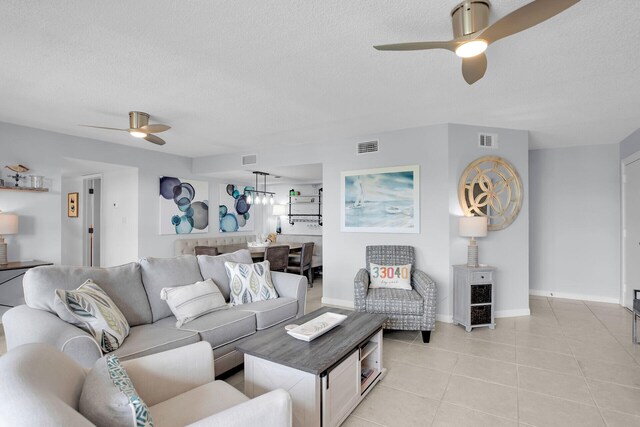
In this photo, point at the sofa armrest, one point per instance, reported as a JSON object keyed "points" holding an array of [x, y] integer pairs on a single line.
{"points": [[24, 325], [360, 289], [161, 376], [292, 286], [270, 409]]}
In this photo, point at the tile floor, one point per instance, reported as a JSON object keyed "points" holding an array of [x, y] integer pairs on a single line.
{"points": [[571, 363]]}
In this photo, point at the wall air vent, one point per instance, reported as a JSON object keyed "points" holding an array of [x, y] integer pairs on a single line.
{"points": [[367, 147], [249, 159], [487, 140]]}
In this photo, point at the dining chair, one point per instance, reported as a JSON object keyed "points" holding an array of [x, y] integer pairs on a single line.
{"points": [[206, 250], [303, 263], [278, 257]]}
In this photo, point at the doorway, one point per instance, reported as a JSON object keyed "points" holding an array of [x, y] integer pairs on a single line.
{"points": [[630, 228], [92, 191]]}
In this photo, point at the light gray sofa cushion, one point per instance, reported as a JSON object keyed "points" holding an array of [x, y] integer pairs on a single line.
{"points": [[158, 273], [123, 284], [270, 312], [150, 339], [394, 301], [218, 328], [212, 267]]}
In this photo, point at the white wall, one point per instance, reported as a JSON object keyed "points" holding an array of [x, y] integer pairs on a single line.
{"points": [[575, 222], [507, 249], [299, 227], [630, 144], [72, 228], [41, 213], [441, 158], [119, 231]]}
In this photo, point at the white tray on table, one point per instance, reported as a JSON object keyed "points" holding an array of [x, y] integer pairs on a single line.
{"points": [[315, 327]]}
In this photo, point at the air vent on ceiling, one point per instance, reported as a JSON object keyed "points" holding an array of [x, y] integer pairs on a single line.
{"points": [[487, 140], [367, 147], [249, 159]]}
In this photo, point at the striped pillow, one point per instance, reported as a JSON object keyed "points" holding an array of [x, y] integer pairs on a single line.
{"points": [[192, 301]]}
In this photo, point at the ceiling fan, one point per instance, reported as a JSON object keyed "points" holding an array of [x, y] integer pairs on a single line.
{"points": [[140, 128], [473, 34]]}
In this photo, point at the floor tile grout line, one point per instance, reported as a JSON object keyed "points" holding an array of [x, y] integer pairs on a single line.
{"points": [[614, 337], [478, 411], [445, 390], [365, 419], [593, 398]]}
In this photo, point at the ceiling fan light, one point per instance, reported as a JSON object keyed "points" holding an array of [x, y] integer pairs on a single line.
{"points": [[137, 133], [471, 49]]}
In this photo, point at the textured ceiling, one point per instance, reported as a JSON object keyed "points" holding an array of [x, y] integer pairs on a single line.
{"points": [[298, 174], [235, 76]]}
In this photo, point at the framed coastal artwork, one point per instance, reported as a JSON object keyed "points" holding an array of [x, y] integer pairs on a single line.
{"points": [[236, 214], [184, 206], [385, 200]]}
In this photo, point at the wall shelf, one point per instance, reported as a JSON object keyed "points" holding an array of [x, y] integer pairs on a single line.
{"points": [[33, 190], [301, 217]]}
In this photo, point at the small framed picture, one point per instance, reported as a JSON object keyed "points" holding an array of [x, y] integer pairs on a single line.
{"points": [[72, 205]]}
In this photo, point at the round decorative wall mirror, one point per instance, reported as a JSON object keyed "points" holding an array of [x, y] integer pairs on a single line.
{"points": [[490, 186]]}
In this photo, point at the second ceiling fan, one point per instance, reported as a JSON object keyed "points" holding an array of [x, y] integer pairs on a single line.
{"points": [[473, 34]]}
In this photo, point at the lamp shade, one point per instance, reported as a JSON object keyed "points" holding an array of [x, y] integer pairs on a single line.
{"points": [[8, 223], [473, 226], [279, 210]]}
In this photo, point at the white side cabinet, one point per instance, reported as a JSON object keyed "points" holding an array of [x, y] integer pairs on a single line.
{"points": [[474, 296]]}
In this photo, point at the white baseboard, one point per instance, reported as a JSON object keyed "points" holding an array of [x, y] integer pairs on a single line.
{"points": [[444, 318], [341, 303], [513, 313], [565, 295]]}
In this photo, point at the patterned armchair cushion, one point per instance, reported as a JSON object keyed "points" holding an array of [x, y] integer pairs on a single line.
{"points": [[394, 301], [109, 398]]}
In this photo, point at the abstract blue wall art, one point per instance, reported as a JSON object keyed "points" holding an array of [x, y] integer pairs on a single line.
{"points": [[184, 206], [235, 213], [385, 200]]}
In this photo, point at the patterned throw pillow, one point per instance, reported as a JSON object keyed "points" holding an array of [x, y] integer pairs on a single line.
{"points": [[192, 301], [250, 282], [390, 276], [109, 398], [91, 309]]}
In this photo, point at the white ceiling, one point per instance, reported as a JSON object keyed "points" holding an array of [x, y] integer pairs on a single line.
{"points": [[299, 174], [233, 76]]}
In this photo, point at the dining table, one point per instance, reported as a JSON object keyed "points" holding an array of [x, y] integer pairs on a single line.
{"points": [[257, 252]]}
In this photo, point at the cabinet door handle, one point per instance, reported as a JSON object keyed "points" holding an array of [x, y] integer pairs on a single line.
{"points": [[482, 277]]}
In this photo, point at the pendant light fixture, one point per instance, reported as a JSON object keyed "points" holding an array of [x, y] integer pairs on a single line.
{"points": [[256, 196]]}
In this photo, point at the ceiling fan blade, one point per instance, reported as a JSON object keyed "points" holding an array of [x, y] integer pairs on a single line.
{"points": [[157, 128], [155, 139], [102, 127], [449, 45], [526, 17], [473, 69]]}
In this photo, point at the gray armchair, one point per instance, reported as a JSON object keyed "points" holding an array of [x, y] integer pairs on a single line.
{"points": [[413, 310]]}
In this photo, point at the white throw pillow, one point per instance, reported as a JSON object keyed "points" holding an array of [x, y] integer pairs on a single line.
{"points": [[250, 282], [390, 276], [91, 309], [192, 301]]}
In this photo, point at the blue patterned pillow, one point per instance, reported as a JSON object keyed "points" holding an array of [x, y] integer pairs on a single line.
{"points": [[250, 282], [109, 398]]}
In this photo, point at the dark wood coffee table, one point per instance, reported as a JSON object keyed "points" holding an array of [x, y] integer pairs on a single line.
{"points": [[324, 376]]}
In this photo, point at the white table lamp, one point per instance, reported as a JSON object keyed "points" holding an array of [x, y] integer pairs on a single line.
{"points": [[8, 225], [472, 226], [278, 211]]}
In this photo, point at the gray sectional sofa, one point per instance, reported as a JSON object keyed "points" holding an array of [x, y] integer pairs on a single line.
{"points": [[135, 289]]}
